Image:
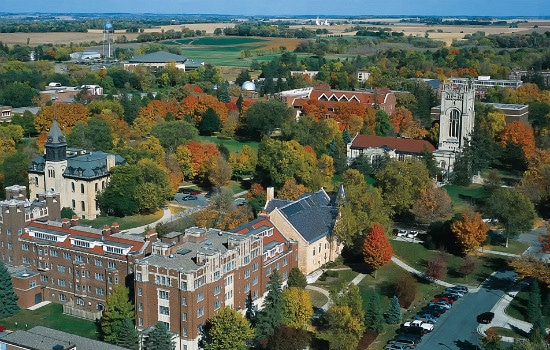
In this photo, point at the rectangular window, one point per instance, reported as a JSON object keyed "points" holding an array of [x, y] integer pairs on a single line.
{"points": [[183, 301], [32, 284], [268, 271], [99, 291], [25, 247], [66, 256], [60, 268], [163, 310], [285, 262], [255, 267], [62, 297], [200, 296], [140, 321], [255, 281], [61, 282], [78, 258], [184, 286], [140, 306], [217, 304], [111, 265], [184, 332], [26, 260], [254, 294], [163, 295], [247, 273], [247, 287], [139, 292], [184, 316], [99, 276], [217, 290], [216, 275], [54, 253], [98, 262], [138, 277], [200, 312], [44, 278]]}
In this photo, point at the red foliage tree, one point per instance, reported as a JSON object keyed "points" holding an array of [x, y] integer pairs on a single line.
{"points": [[377, 250], [521, 135]]}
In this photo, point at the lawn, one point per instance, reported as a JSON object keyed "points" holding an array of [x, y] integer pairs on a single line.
{"points": [[232, 145], [221, 41], [416, 255], [514, 247], [505, 332], [52, 316], [125, 223], [463, 196], [343, 278], [317, 299]]}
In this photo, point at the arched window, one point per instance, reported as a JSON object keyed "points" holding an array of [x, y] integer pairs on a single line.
{"points": [[454, 123], [72, 186], [83, 206]]}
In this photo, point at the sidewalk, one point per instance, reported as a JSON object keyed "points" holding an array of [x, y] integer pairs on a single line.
{"points": [[418, 273]]}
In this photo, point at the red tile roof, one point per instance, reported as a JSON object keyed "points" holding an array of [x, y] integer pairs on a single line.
{"points": [[396, 143]]}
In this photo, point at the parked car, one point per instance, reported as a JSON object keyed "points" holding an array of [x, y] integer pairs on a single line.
{"points": [[404, 337], [435, 307], [445, 299], [402, 233], [428, 327], [432, 311], [426, 317], [451, 295], [415, 330], [440, 303], [486, 317], [195, 192], [412, 234], [408, 342], [462, 289], [209, 194], [455, 291], [2, 328], [397, 346], [184, 190], [189, 198]]}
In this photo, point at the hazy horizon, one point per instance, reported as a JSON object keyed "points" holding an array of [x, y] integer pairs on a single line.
{"points": [[503, 8]]}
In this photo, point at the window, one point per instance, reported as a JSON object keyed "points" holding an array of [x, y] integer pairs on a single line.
{"points": [[140, 321], [217, 304], [81, 188], [51, 173], [217, 290], [228, 280], [268, 271], [277, 266], [72, 187], [8, 232], [254, 294], [54, 253], [163, 295], [285, 262], [25, 247], [66, 256], [216, 275], [99, 276], [73, 204], [247, 273], [200, 296], [184, 332], [183, 301], [184, 286], [247, 288], [10, 247], [61, 282], [285, 275], [247, 259], [454, 123], [140, 306], [26, 260], [138, 277], [200, 312], [36, 181], [82, 206], [255, 267], [43, 278], [32, 284], [111, 265], [184, 316], [60, 268], [98, 262], [99, 291], [162, 280], [62, 297], [140, 292], [164, 310], [255, 281], [78, 258]]}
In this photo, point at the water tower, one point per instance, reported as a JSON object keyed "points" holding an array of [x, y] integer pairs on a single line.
{"points": [[107, 29]]}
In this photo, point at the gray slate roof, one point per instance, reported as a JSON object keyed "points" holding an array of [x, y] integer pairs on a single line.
{"points": [[313, 215], [158, 57], [42, 338], [55, 135]]}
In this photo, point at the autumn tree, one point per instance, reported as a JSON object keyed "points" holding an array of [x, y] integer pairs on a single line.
{"points": [[341, 329], [433, 204], [228, 329], [291, 190], [220, 174], [436, 268], [118, 308], [405, 288], [244, 162], [467, 266], [520, 135], [297, 308], [470, 231], [531, 266], [377, 250], [67, 115]]}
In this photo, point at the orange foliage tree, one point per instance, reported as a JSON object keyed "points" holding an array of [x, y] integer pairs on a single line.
{"points": [[156, 110], [67, 115], [201, 153], [377, 250], [197, 105], [535, 183], [291, 190], [470, 231], [521, 135]]}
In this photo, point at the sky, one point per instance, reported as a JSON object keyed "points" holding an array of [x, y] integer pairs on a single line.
{"points": [[493, 8]]}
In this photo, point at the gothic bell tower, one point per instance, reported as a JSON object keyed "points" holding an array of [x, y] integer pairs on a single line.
{"points": [[56, 159]]}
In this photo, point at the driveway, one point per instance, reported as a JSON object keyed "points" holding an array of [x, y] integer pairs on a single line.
{"points": [[457, 328]]}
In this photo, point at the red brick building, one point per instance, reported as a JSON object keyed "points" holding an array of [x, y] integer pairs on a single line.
{"points": [[191, 275]]}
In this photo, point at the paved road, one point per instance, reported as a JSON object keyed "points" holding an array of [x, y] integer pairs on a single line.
{"points": [[457, 328]]}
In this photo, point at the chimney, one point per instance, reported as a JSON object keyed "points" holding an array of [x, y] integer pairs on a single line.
{"points": [[270, 193], [115, 228], [65, 223], [74, 220], [106, 230], [151, 236]]}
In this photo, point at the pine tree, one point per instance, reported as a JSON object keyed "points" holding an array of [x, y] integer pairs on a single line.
{"points": [[393, 315], [346, 137], [534, 302], [296, 278], [117, 309], [8, 298], [210, 122], [250, 313], [128, 336], [271, 316], [223, 92], [159, 339], [373, 314], [239, 103]]}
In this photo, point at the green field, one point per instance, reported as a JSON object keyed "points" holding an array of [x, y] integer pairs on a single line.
{"points": [[52, 316], [464, 196], [124, 222], [232, 145], [219, 41]]}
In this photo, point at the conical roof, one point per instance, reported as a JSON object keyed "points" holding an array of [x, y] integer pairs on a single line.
{"points": [[55, 135]]}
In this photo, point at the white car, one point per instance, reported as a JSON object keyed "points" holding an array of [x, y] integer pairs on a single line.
{"points": [[428, 327], [412, 234], [402, 233]]}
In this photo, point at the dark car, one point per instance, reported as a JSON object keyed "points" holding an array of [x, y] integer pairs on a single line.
{"points": [[414, 330], [407, 336], [3, 328], [451, 295], [189, 198], [433, 312], [485, 317]]}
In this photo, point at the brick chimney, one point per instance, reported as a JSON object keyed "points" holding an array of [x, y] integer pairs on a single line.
{"points": [[115, 228], [74, 220], [151, 236], [106, 231], [65, 223]]}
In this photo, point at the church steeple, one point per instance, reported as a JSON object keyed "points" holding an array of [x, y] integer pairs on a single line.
{"points": [[56, 145]]}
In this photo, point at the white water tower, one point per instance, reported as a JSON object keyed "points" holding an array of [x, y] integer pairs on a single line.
{"points": [[107, 29]]}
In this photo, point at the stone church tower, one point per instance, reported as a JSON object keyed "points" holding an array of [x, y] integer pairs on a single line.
{"points": [[456, 121]]}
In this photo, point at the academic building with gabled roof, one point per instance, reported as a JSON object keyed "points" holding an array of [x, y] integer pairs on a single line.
{"points": [[78, 175]]}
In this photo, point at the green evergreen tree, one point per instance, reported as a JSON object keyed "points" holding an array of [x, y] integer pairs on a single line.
{"points": [[393, 314], [159, 339], [128, 336], [117, 309], [223, 92], [67, 212], [346, 136], [534, 303], [239, 104], [250, 312], [462, 169], [296, 278], [374, 319], [271, 316], [210, 122], [538, 330], [8, 298], [431, 164], [383, 126]]}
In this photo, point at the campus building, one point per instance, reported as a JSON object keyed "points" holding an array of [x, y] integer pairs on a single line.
{"points": [[77, 175], [193, 274]]}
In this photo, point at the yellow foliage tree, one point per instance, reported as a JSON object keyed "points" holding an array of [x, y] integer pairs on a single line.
{"points": [[291, 190], [297, 309], [470, 231], [495, 122]]}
